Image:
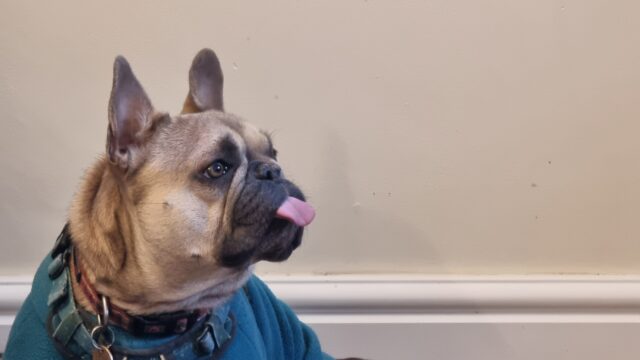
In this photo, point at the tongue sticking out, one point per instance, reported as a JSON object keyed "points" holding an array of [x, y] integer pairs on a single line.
{"points": [[296, 211]]}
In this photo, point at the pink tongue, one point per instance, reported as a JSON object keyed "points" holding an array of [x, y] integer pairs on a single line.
{"points": [[296, 211]]}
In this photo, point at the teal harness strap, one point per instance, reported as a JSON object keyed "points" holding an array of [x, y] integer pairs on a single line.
{"points": [[70, 331], [67, 328], [65, 321]]}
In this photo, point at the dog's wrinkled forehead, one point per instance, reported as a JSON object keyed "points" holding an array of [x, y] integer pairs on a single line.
{"points": [[197, 139]]}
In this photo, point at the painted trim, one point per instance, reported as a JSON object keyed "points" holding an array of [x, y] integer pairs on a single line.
{"points": [[418, 298], [460, 299]]}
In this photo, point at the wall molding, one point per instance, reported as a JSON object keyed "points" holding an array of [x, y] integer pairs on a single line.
{"points": [[420, 299], [386, 294], [405, 299]]}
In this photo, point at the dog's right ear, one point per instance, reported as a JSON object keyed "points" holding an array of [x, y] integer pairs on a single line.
{"points": [[130, 113], [205, 84]]}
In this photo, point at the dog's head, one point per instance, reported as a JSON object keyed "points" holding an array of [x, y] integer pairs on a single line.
{"points": [[204, 178], [202, 191]]}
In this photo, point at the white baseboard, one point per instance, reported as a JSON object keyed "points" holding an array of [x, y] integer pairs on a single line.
{"points": [[420, 299], [415, 305]]}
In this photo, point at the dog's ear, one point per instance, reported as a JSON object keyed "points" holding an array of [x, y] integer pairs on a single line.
{"points": [[130, 113], [205, 84]]}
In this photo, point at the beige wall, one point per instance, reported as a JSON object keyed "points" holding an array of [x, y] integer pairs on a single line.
{"points": [[434, 136]]}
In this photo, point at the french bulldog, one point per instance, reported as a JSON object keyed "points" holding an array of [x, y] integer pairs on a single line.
{"points": [[171, 221]]}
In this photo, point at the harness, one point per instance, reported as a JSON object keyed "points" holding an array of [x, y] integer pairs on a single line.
{"points": [[77, 334]]}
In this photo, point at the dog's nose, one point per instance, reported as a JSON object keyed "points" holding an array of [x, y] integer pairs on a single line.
{"points": [[267, 171]]}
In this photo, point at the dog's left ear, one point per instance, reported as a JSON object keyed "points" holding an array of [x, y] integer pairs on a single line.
{"points": [[205, 84]]}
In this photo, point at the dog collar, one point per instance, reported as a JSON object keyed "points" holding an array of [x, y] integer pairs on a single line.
{"points": [[69, 326], [160, 325]]}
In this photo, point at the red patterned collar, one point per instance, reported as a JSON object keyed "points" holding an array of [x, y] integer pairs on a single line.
{"points": [[157, 324]]}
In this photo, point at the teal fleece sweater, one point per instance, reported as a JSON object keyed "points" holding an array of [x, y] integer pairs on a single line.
{"points": [[266, 328]]}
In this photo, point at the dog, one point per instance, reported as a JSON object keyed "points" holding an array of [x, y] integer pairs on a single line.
{"points": [[156, 259]]}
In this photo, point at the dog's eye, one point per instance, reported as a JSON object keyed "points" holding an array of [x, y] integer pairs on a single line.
{"points": [[274, 153], [217, 169]]}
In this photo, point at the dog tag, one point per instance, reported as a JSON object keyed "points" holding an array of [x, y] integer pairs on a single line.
{"points": [[102, 353]]}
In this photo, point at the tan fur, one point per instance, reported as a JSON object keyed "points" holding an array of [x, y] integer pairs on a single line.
{"points": [[148, 240]]}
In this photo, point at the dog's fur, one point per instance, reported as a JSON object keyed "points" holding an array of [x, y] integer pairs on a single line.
{"points": [[155, 233]]}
